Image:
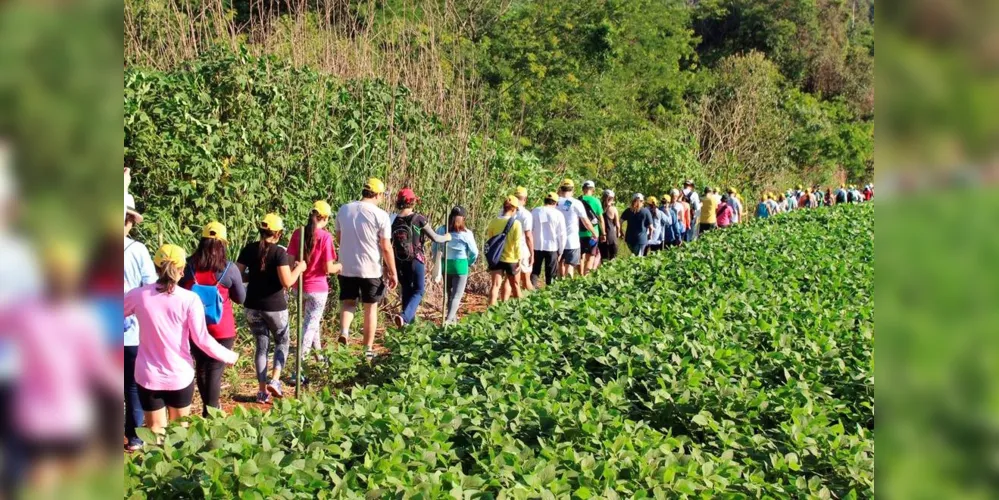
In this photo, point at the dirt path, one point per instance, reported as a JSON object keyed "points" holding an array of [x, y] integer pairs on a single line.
{"points": [[239, 384]]}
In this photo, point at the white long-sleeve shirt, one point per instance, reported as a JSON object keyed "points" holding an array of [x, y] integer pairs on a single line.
{"points": [[549, 229]]}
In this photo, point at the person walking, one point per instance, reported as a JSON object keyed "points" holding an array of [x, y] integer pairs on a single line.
{"points": [[170, 320], [673, 230], [139, 271], [683, 209], [655, 243], [266, 267], [209, 267], [526, 245], [589, 240], [363, 234], [506, 268], [638, 225], [709, 211], [695, 209], [762, 208], [725, 212], [735, 201], [549, 239], [611, 227], [320, 262], [461, 255], [409, 232], [575, 215]]}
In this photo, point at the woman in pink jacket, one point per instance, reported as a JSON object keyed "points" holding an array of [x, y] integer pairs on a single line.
{"points": [[170, 318]]}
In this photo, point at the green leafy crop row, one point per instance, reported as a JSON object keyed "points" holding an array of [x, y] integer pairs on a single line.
{"points": [[740, 365]]}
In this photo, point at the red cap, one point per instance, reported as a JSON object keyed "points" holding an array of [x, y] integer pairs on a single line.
{"points": [[406, 195]]}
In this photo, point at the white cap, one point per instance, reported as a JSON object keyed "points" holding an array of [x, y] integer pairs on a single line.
{"points": [[638, 196], [589, 185], [608, 193]]}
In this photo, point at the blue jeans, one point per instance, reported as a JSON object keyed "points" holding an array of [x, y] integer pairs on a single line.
{"points": [[133, 409], [412, 279], [636, 250]]}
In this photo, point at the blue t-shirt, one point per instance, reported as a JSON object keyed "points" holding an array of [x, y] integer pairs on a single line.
{"points": [[762, 211], [639, 222], [139, 271]]}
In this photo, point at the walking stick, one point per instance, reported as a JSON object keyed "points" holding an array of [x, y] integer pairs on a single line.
{"points": [[443, 264], [301, 327]]}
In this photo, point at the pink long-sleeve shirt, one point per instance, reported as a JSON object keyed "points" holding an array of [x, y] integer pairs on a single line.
{"points": [[167, 325]]}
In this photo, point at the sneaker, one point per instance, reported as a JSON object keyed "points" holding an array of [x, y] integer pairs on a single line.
{"points": [[343, 339], [274, 388], [399, 323], [263, 398], [370, 355], [133, 445]]}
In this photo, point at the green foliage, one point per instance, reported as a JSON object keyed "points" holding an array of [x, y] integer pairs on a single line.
{"points": [[739, 366], [231, 137]]}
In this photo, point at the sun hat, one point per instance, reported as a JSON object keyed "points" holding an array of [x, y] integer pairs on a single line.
{"points": [[272, 222], [322, 208], [130, 208], [216, 231], [170, 253], [375, 185], [520, 192], [407, 195], [688, 182]]}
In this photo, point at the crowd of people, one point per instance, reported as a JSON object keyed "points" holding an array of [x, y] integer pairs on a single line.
{"points": [[180, 326]]}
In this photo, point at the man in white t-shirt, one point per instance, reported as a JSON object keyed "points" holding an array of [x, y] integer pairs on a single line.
{"points": [[695, 208], [575, 214], [549, 239], [363, 237], [526, 245]]}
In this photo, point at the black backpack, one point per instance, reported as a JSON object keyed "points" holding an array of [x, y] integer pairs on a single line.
{"points": [[405, 238], [592, 216]]}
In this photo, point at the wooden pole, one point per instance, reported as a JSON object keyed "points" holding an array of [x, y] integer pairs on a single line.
{"points": [[301, 327]]}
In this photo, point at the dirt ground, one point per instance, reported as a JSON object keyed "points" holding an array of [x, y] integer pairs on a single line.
{"points": [[239, 385]]}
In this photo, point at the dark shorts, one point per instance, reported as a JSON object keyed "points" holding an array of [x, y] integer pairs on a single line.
{"points": [[369, 290], [59, 449], [707, 227], [608, 251], [586, 247], [570, 257], [507, 268], [157, 400]]}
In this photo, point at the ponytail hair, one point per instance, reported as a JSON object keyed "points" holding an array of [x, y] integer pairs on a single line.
{"points": [[169, 276], [310, 234], [265, 246]]}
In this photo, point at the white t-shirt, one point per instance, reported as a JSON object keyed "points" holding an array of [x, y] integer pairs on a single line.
{"points": [[693, 198], [361, 226], [573, 210], [549, 229]]}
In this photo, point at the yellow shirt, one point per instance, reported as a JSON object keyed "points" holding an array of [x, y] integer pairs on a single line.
{"points": [[709, 209], [511, 251]]}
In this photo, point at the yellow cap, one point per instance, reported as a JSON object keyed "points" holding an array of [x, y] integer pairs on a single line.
{"points": [[272, 222], [667, 198], [520, 192], [322, 208], [567, 183], [551, 196], [216, 231], [512, 200], [375, 185], [172, 254], [652, 200], [732, 190]]}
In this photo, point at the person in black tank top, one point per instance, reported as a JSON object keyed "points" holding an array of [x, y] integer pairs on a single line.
{"points": [[612, 222]]}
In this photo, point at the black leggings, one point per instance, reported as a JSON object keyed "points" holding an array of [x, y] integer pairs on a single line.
{"points": [[546, 261], [208, 375]]}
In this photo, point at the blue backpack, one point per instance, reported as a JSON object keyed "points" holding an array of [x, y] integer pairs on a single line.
{"points": [[496, 244], [210, 297]]}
